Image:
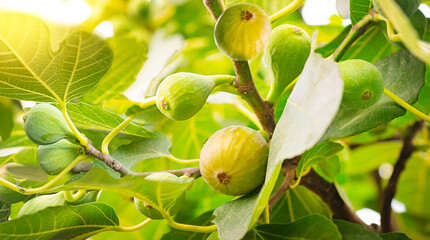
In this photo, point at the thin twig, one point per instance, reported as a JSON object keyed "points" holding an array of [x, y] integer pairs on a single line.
{"points": [[329, 194], [290, 167], [391, 188], [356, 31], [190, 172]]}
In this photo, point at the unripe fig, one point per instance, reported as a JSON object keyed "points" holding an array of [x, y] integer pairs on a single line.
{"points": [[364, 83], [233, 160], [153, 213], [42, 202], [242, 31], [55, 157], [286, 54], [45, 124], [181, 95], [409, 7], [6, 194]]}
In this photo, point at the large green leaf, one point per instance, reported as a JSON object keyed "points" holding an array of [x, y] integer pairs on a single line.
{"points": [[307, 114], [61, 222], [158, 190], [297, 203], [372, 46], [129, 56], [29, 69], [404, 76], [143, 149], [324, 150], [18, 138], [413, 190], [365, 159], [358, 9], [307, 228], [92, 117], [7, 119], [394, 236], [4, 211], [352, 231]]}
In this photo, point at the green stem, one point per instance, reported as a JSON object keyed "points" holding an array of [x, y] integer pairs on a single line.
{"points": [[215, 7], [48, 184], [114, 132], [266, 215], [290, 8], [356, 31], [73, 197], [223, 79], [105, 144], [390, 30], [187, 227], [182, 160], [406, 106], [82, 140]]}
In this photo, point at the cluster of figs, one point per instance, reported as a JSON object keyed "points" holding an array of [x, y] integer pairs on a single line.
{"points": [[233, 160]]}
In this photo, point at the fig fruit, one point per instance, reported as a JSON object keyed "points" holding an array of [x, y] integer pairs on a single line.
{"points": [[8, 195], [55, 157], [153, 213], [233, 160], [242, 31], [45, 124], [42, 202], [181, 95], [364, 83], [409, 7], [286, 54]]}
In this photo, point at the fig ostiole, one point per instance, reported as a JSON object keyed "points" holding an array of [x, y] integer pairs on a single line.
{"points": [[242, 31], [44, 124], [55, 157], [286, 53], [233, 160], [8, 195], [150, 212], [364, 83], [409, 7], [181, 95]]}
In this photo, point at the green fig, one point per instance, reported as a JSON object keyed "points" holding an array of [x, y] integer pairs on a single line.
{"points": [[45, 124], [42, 202], [233, 160], [153, 213], [8, 195], [409, 7], [53, 200], [242, 31], [55, 157], [181, 95], [364, 83], [286, 54]]}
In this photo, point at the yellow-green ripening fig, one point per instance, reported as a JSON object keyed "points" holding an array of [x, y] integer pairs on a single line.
{"points": [[54, 158], [45, 124], [8, 195], [153, 213], [233, 160], [364, 83], [286, 54], [242, 31], [181, 95]]}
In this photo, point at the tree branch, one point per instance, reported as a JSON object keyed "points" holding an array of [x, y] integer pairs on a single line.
{"points": [[391, 188], [244, 81], [356, 31], [290, 167], [119, 167], [329, 194]]}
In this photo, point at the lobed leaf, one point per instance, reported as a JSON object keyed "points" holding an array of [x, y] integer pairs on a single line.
{"points": [[65, 222], [30, 70]]}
